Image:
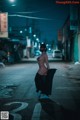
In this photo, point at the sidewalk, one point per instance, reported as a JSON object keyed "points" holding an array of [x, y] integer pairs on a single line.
{"points": [[35, 59], [73, 71]]}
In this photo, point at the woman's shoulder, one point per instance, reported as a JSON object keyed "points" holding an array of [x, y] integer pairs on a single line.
{"points": [[45, 54]]}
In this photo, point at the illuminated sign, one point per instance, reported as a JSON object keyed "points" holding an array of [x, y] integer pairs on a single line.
{"points": [[60, 35], [3, 25], [28, 42], [73, 18]]}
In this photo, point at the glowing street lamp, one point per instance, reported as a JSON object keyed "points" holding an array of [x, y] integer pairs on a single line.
{"points": [[21, 31], [34, 35], [12, 1], [37, 39]]}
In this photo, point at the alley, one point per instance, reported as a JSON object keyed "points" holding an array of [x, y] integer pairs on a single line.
{"points": [[18, 94]]}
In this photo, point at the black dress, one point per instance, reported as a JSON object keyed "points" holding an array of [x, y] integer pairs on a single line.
{"points": [[44, 82]]}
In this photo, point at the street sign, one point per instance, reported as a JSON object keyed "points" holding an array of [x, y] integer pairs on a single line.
{"points": [[3, 25], [28, 42], [73, 18]]}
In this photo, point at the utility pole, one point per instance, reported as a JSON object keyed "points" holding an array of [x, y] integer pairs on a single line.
{"points": [[0, 22]]}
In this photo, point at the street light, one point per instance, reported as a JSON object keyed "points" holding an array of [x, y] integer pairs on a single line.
{"points": [[12, 1], [37, 39], [21, 31], [34, 35]]}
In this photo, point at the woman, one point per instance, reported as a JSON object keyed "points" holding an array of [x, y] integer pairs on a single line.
{"points": [[40, 78]]}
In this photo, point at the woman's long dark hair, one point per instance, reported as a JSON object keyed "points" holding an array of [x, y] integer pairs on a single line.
{"points": [[43, 47]]}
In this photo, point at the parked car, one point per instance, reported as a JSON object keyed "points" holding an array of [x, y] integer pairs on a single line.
{"points": [[57, 54], [3, 56], [37, 53]]}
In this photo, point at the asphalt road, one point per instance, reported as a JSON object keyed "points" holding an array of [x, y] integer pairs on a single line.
{"points": [[18, 94]]}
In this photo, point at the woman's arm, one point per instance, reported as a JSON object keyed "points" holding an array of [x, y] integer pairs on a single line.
{"points": [[46, 61]]}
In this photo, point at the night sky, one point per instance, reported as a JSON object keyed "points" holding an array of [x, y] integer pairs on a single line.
{"points": [[46, 9]]}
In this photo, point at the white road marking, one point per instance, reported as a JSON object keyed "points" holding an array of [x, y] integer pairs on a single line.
{"points": [[15, 111], [36, 112]]}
